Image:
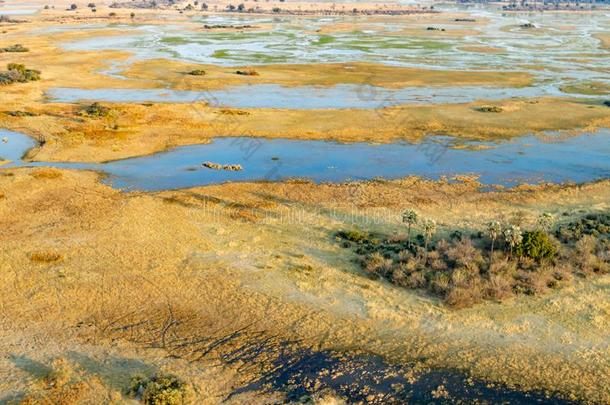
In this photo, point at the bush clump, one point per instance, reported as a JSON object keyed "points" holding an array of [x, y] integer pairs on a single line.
{"points": [[18, 73], [597, 225], [197, 72], [18, 113], [96, 110], [14, 48], [491, 109], [536, 245], [468, 267], [247, 72], [353, 236], [161, 389]]}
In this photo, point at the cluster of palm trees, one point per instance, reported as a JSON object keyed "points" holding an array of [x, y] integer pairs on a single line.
{"points": [[411, 217], [512, 234]]}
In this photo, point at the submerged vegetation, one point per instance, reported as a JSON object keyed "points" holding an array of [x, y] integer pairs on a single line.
{"points": [[18, 73], [496, 263]]}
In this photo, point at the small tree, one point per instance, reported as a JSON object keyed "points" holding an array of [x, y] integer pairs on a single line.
{"points": [[493, 230], [409, 217], [73, 7], [513, 237], [536, 245]]}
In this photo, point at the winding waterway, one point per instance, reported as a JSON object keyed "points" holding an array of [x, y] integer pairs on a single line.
{"points": [[532, 159]]}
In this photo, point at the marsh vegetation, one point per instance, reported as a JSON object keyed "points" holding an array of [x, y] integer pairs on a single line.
{"points": [[96, 110], [18, 73]]}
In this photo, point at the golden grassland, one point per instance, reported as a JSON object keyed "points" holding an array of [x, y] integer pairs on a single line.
{"points": [[120, 284], [372, 74], [139, 129], [93, 275]]}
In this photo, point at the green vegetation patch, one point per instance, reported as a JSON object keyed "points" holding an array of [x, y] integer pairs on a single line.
{"points": [[324, 39], [220, 54], [174, 41], [490, 109]]}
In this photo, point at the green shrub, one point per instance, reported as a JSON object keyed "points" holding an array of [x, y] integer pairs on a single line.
{"points": [[490, 108], [20, 114], [14, 48], [597, 224], [247, 72], [197, 72], [536, 245], [162, 389], [353, 236], [96, 110]]}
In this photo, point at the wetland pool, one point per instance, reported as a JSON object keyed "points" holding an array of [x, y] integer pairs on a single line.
{"points": [[531, 159]]}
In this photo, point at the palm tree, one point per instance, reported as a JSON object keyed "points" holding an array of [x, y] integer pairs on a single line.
{"points": [[513, 237], [429, 226], [409, 217], [493, 230], [545, 221]]}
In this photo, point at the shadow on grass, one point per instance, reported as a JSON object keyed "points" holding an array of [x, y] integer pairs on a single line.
{"points": [[369, 379]]}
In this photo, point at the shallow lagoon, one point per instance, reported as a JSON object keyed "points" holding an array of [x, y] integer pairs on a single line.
{"points": [[532, 159]]}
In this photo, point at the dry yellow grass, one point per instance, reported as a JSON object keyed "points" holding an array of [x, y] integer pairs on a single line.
{"points": [[318, 75], [47, 174], [45, 257], [131, 283], [125, 279]]}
